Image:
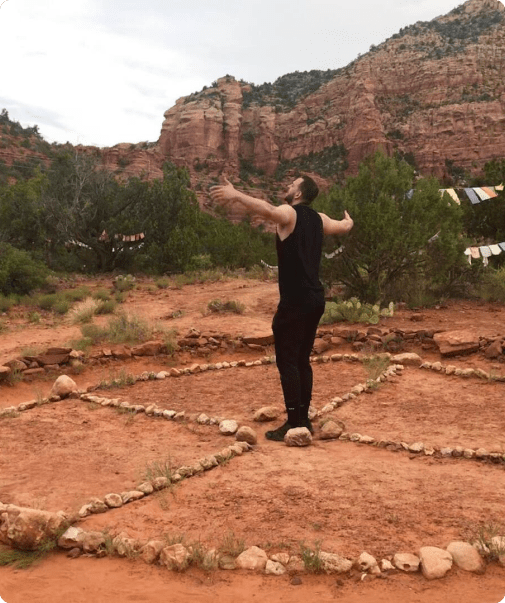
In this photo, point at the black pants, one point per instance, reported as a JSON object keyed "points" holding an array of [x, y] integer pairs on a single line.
{"points": [[294, 333]]}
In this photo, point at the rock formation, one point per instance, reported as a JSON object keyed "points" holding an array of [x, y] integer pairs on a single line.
{"points": [[434, 92]]}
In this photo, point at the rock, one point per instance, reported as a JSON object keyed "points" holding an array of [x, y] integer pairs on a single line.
{"points": [[92, 541], [125, 546], [280, 558], [386, 565], [457, 343], [409, 359], [203, 419], [150, 552], [406, 562], [146, 488], [52, 359], [5, 371], [74, 553], [247, 434], [252, 558], [131, 496], [267, 413], [26, 529], [261, 339], [295, 564], [466, 557], [296, 581], [72, 538], [495, 349], [299, 436], [149, 348], [226, 562], [481, 453], [320, 346], [416, 447], [64, 386], [334, 564], [435, 562], [96, 505], [160, 482], [365, 561], [113, 501], [274, 568], [16, 365], [175, 556], [228, 427], [332, 430]]}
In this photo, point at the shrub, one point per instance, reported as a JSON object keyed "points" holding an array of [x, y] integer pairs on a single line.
{"points": [[353, 310], [19, 272], [124, 283], [102, 295], [84, 311], [492, 286], [106, 307], [128, 329], [75, 295], [6, 303]]}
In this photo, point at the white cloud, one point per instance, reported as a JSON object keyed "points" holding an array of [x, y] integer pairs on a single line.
{"points": [[108, 70]]}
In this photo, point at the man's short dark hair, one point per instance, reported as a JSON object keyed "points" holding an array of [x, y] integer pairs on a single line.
{"points": [[309, 190]]}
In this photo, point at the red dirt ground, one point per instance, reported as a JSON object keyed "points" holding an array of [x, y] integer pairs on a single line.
{"points": [[349, 496]]}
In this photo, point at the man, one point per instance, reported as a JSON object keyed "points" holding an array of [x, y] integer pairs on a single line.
{"points": [[299, 240]]}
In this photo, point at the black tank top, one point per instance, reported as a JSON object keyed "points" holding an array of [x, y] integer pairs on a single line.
{"points": [[299, 256]]}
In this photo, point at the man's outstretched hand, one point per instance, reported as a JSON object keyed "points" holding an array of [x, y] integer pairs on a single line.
{"points": [[222, 194], [347, 221]]}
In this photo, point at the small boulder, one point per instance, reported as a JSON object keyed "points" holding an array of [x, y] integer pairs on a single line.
{"points": [[252, 558], [408, 358], [299, 436], [274, 568], [334, 564], [267, 413], [466, 557], [63, 387], [246, 434], [150, 552], [455, 343], [435, 562], [228, 427], [406, 562], [332, 430]]}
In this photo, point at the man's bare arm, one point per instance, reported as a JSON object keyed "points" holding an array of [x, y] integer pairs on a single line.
{"points": [[226, 193], [337, 227]]}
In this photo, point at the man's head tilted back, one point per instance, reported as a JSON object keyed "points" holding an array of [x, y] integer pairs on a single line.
{"points": [[302, 191]]}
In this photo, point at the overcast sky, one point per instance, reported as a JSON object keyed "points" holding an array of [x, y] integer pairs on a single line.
{"points": [[101, 72]]}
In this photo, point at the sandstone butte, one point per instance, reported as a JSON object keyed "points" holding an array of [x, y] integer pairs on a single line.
{"points": [[435, 90]]}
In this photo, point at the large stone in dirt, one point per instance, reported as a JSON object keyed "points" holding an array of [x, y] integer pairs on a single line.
{"points": [[406, 562], [408, 358], [435, 562], [92, 541], [5, 371], [260, 339], [121, 352], [252, 558], [71, 539], [299, 436], [149, 348], [466, 557], [175, 556], [16, 365], [228, 427], [274, 568], [320, 346], [24, 528], [334, 564], [495, 349], [63, 386], [47, 359], [246, 434], [150, 552], [332, 430], [267, 413], [457, 343]]}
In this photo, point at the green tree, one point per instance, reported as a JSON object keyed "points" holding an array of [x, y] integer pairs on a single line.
{"points": [[19, 272], [396, 241]]}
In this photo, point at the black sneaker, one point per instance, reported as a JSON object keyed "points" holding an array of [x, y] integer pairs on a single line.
{"points": [[277, 435], [308, 424]]}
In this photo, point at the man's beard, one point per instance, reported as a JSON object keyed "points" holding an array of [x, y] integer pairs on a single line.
{"points": [[289, 198]]}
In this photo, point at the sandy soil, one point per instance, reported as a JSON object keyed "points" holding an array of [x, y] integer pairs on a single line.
{"points": [[347, 496]]}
